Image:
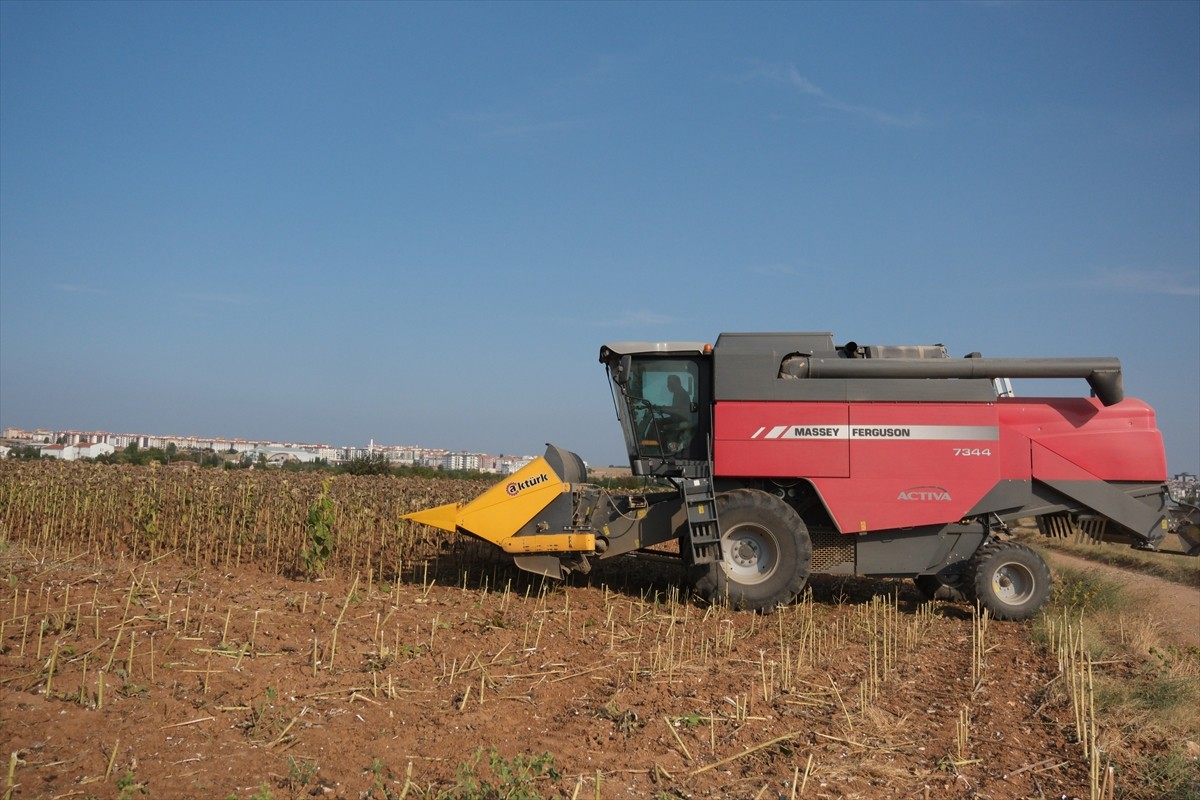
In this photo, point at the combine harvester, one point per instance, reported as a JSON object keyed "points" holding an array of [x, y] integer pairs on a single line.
{"points": [[791, 456]]}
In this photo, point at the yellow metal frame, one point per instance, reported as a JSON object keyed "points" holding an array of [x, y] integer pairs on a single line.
{"points": [[501, 511]]}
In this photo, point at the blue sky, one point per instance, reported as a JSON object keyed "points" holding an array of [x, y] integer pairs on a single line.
{"points": [[418, 222]]}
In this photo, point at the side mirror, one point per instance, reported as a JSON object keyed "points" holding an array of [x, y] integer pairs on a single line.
{"points": [[621, 371]]}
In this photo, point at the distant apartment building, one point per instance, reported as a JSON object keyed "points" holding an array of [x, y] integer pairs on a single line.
{"points": [[459, 461], [403, 455], [39, 436], [514, 463]]}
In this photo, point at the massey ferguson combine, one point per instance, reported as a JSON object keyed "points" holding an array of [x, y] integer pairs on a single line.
{"points": [[790, 456]]}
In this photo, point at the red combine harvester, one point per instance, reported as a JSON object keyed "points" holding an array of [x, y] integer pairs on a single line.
{"points": [[790, 456]]}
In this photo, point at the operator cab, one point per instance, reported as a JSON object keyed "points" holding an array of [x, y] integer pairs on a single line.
{"points": [[663, 395]]}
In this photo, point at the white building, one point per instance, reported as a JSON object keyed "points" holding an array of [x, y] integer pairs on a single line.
{"points": [[277, 456], [94, 449], [63, 452], [74, 452]]}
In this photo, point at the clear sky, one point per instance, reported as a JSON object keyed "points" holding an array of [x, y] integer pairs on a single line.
{"points": [[418, 222]]}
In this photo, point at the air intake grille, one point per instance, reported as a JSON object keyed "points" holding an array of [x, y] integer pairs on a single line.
{"points": [[829, 549]]}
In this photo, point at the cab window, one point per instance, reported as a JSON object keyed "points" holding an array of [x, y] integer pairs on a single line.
{"points": [[665, 408]]}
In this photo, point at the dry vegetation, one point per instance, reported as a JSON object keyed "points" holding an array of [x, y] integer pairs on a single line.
{"points": [[163, 634], [221, 518], [1133, 691]]}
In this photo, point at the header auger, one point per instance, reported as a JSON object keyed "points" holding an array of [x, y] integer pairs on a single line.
{"points": [[788, 456]]}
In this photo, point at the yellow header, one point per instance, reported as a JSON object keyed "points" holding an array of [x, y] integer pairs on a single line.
{"points": [[504, 509]]}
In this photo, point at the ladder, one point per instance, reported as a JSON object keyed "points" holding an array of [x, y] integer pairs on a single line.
{"points": [[704, 532]]}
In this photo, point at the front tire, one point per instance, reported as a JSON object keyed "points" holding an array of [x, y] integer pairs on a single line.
{"points": [[1009, 580], [766, 549]]}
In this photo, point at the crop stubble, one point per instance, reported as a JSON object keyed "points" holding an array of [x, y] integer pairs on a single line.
{"points": [[156, 630]]}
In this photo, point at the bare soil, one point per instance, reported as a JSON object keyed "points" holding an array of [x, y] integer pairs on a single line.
{"points": [[122, 679]]}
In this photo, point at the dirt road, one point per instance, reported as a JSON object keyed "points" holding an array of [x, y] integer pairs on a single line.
{"points": [[1172, 607]]}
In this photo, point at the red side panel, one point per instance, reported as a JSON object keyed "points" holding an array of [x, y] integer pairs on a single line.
{"points": [[915, 464], [1015, 461], [876, 465], [1090, 441], [881, 466], [1049, 465], [782, 440]]}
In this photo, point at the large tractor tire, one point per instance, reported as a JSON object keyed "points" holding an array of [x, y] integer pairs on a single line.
{"points": [[1009, 580], [766, 549]]}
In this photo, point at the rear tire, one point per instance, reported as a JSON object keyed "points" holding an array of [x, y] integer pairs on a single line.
{"points": [[1009, 580], [931, 587], [766, 549]]}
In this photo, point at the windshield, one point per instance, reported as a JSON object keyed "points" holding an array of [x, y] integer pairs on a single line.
{"points": [[659, 407]]}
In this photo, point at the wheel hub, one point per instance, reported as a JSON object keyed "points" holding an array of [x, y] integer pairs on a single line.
{"points": [[751, 554], [745, 553], [1013, 583]]}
